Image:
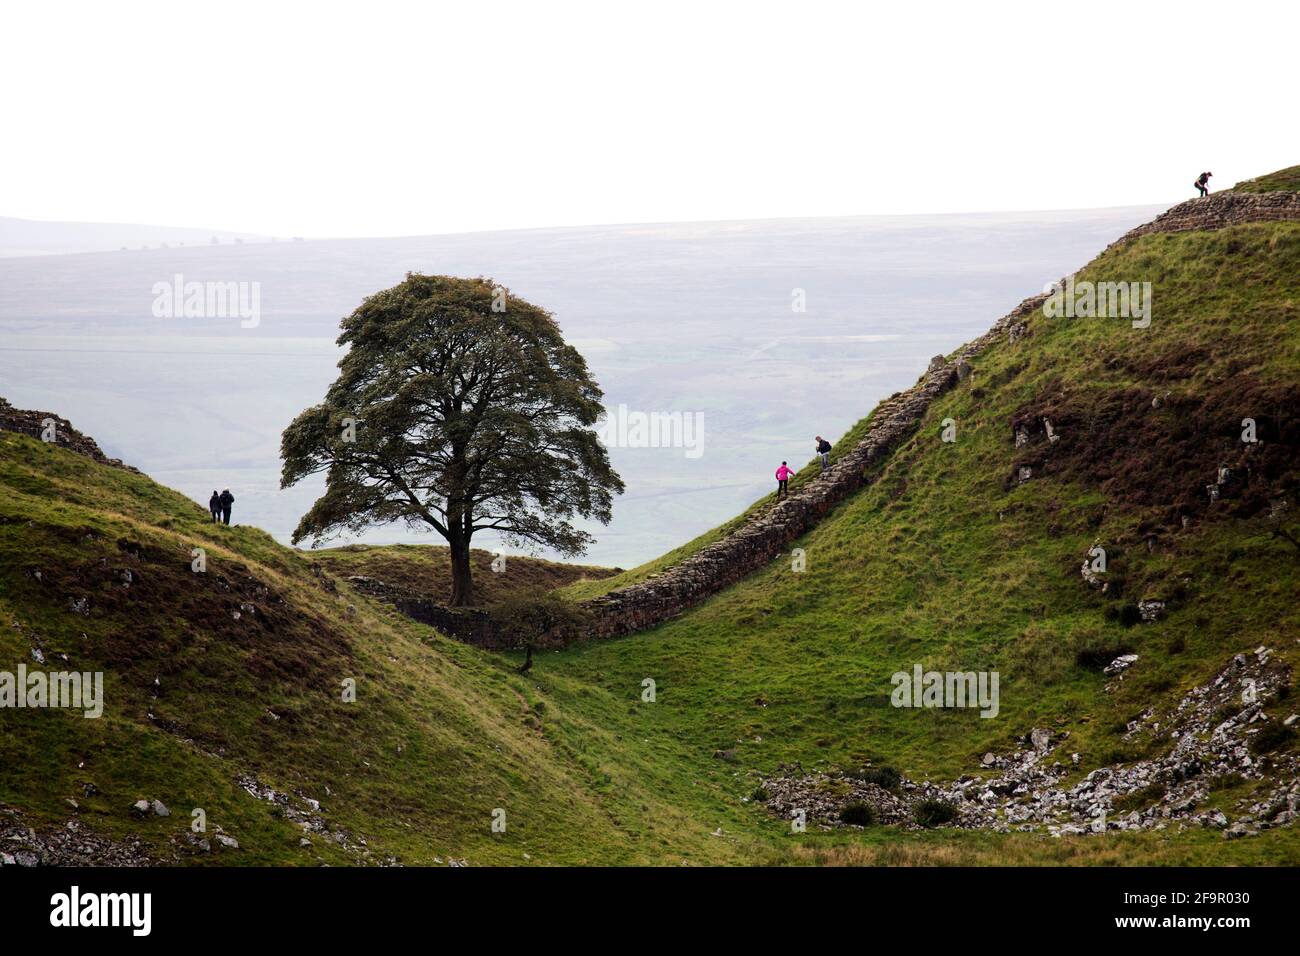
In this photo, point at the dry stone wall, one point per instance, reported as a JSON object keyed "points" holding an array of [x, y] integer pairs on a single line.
{"points": [[465, 624], [1219, 210], [771, 532]]}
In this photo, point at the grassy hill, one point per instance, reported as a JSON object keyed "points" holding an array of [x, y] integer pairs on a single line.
{"points": [[249, 659], [425, 570], [948, 561], [961, 555], [1284, 180]]}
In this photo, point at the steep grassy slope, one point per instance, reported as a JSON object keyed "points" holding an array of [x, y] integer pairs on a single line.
{"points": [[1284, 180], [249, 659], [950, 562]]}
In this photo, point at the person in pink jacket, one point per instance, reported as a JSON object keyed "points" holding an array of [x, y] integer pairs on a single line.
{"points": [[782, 476]]}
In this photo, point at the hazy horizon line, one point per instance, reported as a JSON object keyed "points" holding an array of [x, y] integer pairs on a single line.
{"points": [[576, 226]]}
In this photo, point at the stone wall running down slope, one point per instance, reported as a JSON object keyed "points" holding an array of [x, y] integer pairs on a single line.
{"points": [[770, 532], [766, 535]]}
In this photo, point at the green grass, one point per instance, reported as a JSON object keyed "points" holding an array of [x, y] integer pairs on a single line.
{"points": [[940, 562], [1284, 180], [440, 735]]}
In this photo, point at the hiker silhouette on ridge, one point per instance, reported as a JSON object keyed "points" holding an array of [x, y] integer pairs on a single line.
{"points": [[1202, 184], [226, 499], [214, 506]]}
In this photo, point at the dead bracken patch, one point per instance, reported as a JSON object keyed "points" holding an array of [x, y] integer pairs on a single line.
{"points": [[120, 589], [1147, 448]]}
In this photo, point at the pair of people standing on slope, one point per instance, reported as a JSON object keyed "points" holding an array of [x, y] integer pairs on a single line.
{"points": [[784, 472], [219, 506]]}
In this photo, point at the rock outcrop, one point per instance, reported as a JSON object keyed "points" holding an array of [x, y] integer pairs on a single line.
{"points": [[55, 430], [1207, 742], [72, 844]]}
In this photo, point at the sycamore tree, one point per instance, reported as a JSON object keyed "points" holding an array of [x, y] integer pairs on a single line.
{"points": [[460, 408]]}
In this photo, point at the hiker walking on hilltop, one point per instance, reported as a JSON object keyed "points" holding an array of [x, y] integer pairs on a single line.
{"points": [[226, 499], [782, 479], [214, 506], [1203, 183], [824, 450]]}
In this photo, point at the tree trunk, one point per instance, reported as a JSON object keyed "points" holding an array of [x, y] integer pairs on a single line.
{"points": [[462, 581]]}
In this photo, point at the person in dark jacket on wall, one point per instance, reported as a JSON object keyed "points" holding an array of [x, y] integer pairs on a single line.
{"points": [[1202, 183], [214, 505], [227, 499], [824, 450]]}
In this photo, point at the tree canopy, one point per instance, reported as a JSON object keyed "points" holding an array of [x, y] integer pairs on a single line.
{"points": [[460, 408]]}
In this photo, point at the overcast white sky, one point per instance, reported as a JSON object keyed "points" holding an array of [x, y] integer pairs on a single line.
{"points": [[377, 118]]}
